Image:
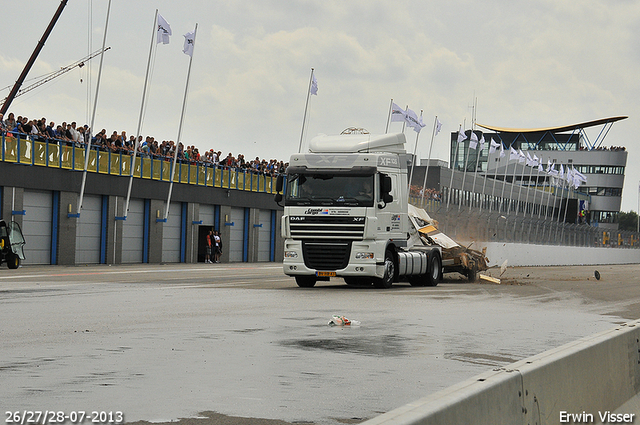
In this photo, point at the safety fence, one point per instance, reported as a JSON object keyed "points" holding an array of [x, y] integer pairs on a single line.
{"points": [[22, 150], [491, 226]]}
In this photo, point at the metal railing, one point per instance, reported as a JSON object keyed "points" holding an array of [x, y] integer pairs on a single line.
{"points": [[23, 150]]}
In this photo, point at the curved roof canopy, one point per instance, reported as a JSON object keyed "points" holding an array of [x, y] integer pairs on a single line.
{"points": [[560, 129]]}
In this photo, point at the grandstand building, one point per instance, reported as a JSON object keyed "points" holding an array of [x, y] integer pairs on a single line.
{"points": [[566, 146]]}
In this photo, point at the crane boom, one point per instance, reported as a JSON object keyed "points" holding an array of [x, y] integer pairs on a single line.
{"points": [[55, 74]]}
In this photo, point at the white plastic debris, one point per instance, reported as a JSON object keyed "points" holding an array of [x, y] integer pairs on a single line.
{"points": [[342, 321]]}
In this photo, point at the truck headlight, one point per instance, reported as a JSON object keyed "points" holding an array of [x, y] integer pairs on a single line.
{"points": [[290, 254], [364, 255]]}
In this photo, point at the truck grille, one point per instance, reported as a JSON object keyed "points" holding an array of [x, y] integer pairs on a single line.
{"points": [[323, 228], [326, 255]]}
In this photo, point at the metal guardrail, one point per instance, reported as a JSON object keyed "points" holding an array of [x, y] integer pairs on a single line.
{"points": [[483, 225], [22, 150]]}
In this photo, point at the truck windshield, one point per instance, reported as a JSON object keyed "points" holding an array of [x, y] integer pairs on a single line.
{"points": [[330, 190]]}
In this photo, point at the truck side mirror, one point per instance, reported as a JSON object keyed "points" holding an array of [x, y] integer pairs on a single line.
{"points": [[385, 189], [279, 184]]}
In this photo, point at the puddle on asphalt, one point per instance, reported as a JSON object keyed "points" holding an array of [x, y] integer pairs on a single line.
{"points": [[378, 346]]}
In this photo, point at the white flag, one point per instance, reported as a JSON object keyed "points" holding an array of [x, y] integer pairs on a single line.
{"points": [[513, 155], [419, 126], [164, 30], [540, 167], [493, 146], [189, 42], [521, 157], [314, 85], [561, 172], [502, 154], [412, 121], [397, 113], [438, 126], [461, 136], [474, 140], [482, 142], [536, 161], [529, 160]]}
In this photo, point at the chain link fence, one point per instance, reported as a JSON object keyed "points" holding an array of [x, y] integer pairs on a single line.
{"points": [[482, 225]]}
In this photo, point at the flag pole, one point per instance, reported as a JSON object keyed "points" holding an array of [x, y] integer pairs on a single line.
{"points": [[504, 183], [484, 183], [453, 164], [464, 173], [426, 171], [521, 184], [529, 190], [561, 181], [513, 181], [415, 149], [184, 104], [93, 116], [386, 130], [495, 177], [306, 106], [542, 191], [139, 129], [475, 172]]}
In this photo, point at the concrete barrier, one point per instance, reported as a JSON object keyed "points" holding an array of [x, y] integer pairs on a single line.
{"points": [[595, 379], [552, 255]]}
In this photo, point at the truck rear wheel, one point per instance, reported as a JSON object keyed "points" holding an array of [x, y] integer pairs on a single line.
{"points": [[13, 261], [389, 272], [306, 281], [435, 271]]}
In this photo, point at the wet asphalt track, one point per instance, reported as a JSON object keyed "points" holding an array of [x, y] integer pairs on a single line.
{"points": [[161, 342]]}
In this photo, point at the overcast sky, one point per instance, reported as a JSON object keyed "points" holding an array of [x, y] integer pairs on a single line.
{"points": [[529, 64]]}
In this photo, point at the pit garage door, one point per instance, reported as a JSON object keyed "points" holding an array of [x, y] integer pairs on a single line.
{"points": [[236, 239], [89, 231], [133, 232], [264, 236], [171, 234], [207, 214], [36, 226]]}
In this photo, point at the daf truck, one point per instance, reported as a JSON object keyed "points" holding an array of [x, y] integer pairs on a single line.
{"points": [[346, 214]]}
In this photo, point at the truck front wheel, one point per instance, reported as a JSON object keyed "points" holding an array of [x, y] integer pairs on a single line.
{"points": [[306, 281], [389, 272]]}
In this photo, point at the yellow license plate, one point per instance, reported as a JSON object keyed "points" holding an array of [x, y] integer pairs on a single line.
{"points": [[326, 274]]}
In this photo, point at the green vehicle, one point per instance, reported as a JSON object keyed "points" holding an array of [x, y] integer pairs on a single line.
{"points": [[11, 244]]}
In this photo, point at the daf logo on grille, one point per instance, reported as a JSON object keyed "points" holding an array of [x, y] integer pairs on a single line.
{"points": [[296, 218]]}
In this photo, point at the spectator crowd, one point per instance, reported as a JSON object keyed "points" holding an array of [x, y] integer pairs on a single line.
{"points": [[70, 134]]}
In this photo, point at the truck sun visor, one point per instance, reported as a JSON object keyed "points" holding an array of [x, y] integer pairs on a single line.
{"points": [[354, 171]]}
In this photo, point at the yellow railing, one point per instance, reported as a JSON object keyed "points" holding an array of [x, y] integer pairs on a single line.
{"points": [[22, 150]]}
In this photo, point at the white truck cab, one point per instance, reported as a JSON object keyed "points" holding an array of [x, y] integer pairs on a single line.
{"points": [[345, 214]]}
